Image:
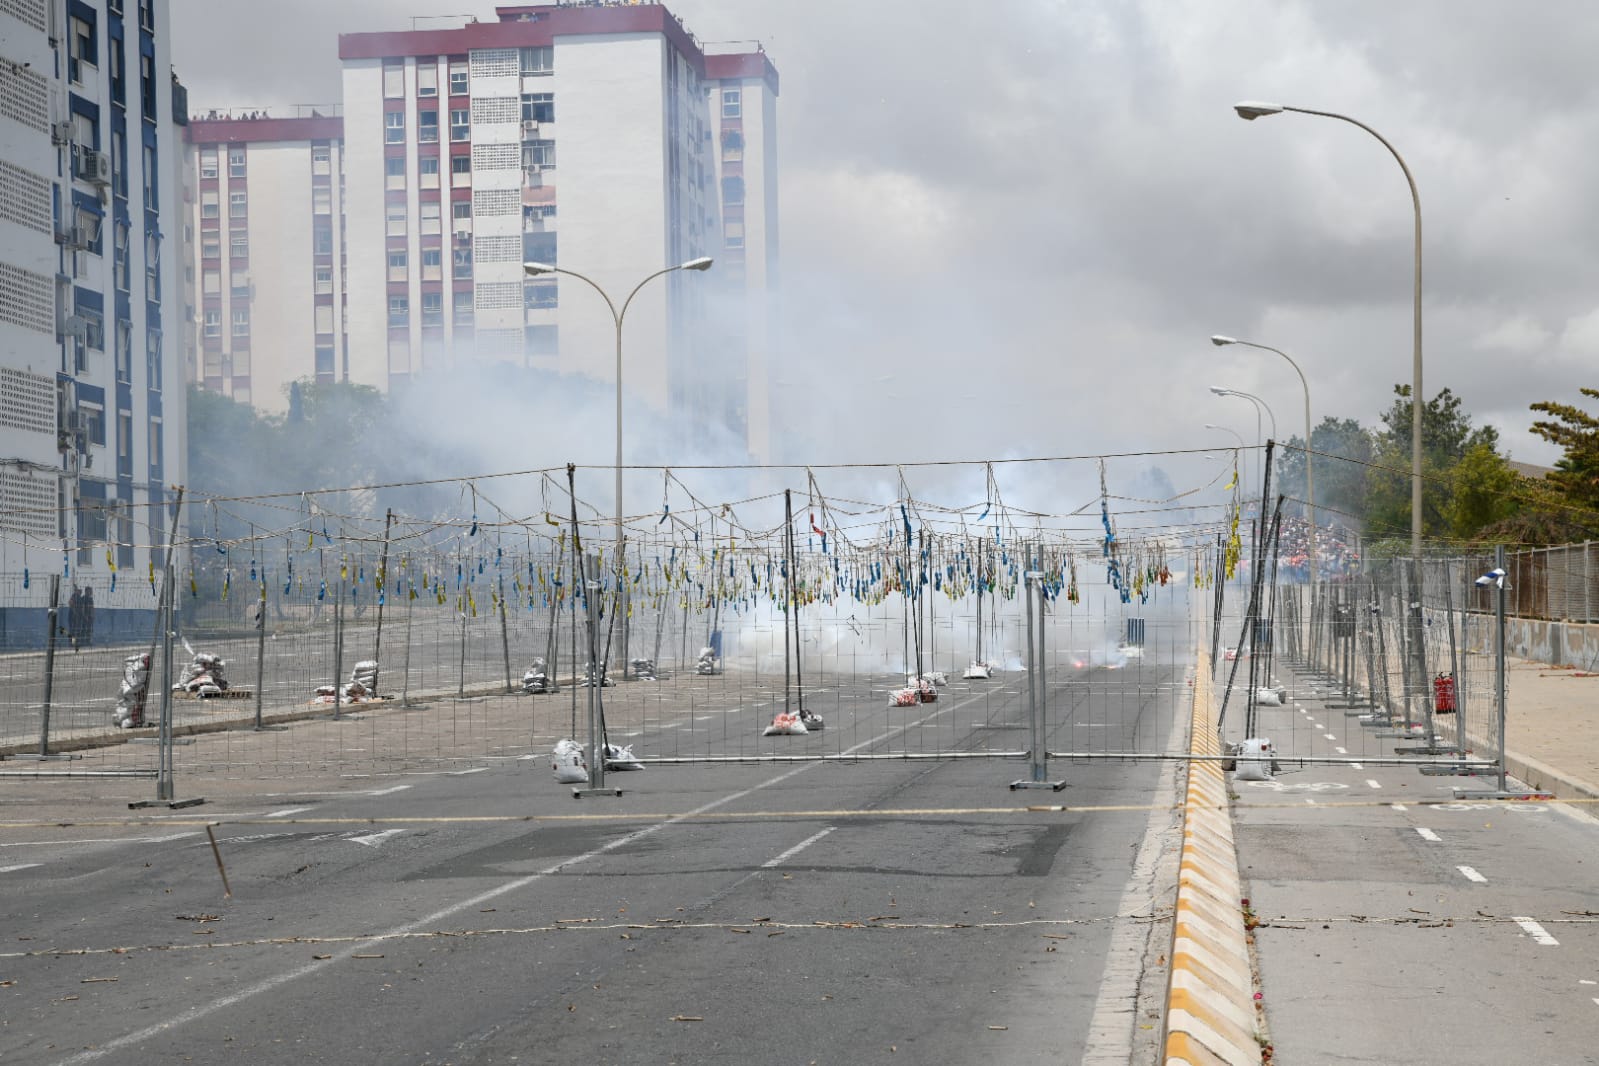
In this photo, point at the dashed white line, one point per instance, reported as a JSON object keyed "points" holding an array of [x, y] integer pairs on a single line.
{"points": [[1472, 875], [1356, 766], [1428, 834], [285, 812], [18, 866], [1342, 751], [1371, 783], [778, 860], [1536, 931], [1398, 806], [1329, 736]]}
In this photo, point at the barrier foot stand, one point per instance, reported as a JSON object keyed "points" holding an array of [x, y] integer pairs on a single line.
{"points": [[1460, 770], [172, 805], [580, 793], [1429, 750], [44, 758], [1053, 786]]}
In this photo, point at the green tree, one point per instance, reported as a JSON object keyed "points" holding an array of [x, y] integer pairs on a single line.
{"points": [[1576, 474], [1447, 434], [1484, 489], [1344, 448]]}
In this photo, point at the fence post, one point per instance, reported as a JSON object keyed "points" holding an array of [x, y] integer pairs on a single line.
{"points": [[49, 664], [1036, 694]]}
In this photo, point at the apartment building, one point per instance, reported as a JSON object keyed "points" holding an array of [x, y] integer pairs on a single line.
{"points": [[91, 375], [588, 136], [268, 217]]}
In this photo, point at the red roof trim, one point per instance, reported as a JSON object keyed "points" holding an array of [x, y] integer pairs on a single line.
{"points": [[736, 66], [545, 23], [250, 130]]}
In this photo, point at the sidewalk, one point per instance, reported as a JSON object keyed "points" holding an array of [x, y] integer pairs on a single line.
{"points": [[1552, 728]]}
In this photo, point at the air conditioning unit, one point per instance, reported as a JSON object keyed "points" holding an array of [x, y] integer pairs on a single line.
{"points": [[91, 166], [60, 133], [75, 326], [530, 127]]}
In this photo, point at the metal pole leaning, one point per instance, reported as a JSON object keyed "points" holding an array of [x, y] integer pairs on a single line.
{"points": [[51, 617]]}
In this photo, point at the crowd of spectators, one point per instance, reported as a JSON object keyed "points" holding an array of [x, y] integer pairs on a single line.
{"points": [[1337, 550]]}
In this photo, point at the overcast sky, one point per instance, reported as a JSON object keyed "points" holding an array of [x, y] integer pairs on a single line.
{"points": [[1009, 227]]}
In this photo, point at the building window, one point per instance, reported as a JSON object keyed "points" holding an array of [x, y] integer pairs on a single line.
{"points": [[394, 127], [458, 83], [397, 269], [321, 159], [147, 85], [393, 80], [394, 172], [152, 266], [239, 286], [432, 265], [324, 280], [120, 251], [460, 123], [208, 162], [152, 364], [94, 337], [732, 145], [236, 161], [460, 171], [238, 204], [208, 204], [732, 190], [150, 176], [211, 247], [84, 50], [238, 244], [538, 61], [324, 318], [538, 107], [394, 219], [427, 169], [462, 307], [324, 362], [432, 308], [213, 323], [733, 235], [211, 283], [538, 295], [427, 78], [322, 199], [124, 345], [431, 224], [539, 155], [241, 322], [427, 125], [399, 311], [322, 236], [543, 341], [463, 261]]}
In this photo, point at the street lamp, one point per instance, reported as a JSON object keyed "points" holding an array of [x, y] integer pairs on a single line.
{"points": [[1219, 340], [537, 269], [1222, 390], [1253, 109]]}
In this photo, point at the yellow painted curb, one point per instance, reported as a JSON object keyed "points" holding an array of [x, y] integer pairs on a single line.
{"points": [[1210, 1008]]}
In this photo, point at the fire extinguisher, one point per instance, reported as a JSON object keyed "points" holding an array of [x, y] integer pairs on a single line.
{"points": [[1443, 694]]}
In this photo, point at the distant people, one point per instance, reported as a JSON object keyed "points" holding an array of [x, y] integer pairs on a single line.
{"points": [[75, 616], [87, 612]]}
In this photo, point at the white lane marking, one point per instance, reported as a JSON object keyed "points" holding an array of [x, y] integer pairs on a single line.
{"points": [[1342, 751], [285, 812], [1536, 931], [1372, 783], [372, 840], [391, 790], [18, 866], [1428, 834], [1472, 875], [1356, 766], [463, 773], [1329, 736], [99, 840], [778, 860], [1398, 806], [268, 984]]}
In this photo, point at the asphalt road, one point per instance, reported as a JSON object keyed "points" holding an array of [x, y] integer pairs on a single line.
{"points": [[881, 911]]}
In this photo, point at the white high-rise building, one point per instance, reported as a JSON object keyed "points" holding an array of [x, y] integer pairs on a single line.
{"points": [[92, 402], [575, 134], [267, 215]]}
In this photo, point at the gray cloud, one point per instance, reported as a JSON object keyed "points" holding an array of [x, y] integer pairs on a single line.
{"points": [[1009, 228]]}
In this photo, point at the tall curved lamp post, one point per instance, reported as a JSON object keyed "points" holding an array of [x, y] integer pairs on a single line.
{"points": [[1310, 476], [537, 269], [1260, 405], [1253, 109]]}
